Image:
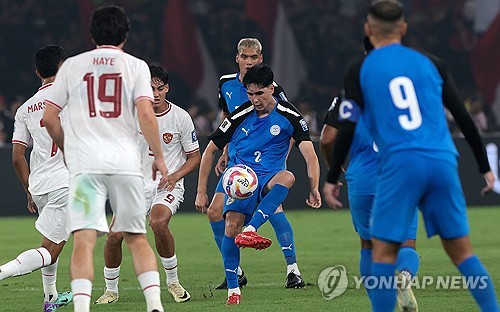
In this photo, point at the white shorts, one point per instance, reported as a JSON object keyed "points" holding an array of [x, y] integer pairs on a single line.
{"points": [[52, 219], [87, 199], [171, 199]]}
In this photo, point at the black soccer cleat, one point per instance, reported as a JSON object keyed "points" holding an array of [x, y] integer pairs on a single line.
{"points": [[294, 281], [242, 281]]}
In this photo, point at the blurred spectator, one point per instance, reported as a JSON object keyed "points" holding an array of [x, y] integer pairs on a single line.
{"points": [[475, 106], [6, 122], [310, 116], [203, 116]]}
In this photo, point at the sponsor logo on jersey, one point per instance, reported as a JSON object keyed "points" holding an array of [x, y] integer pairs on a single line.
{"points": [[167, 137], [224, 125], [229, 94], [245, 130], [303, 123], [194, 138], [275, 130]]}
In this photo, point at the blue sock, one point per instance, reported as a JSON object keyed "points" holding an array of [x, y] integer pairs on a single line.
{"points": [[284, 234], [484, 293], [408, 260], [218, 229], [383, 297], [231, 257], [268, 205], [365, 263]]}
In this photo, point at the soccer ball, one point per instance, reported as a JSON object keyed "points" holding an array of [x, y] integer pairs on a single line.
{"points": [[239, 182]]}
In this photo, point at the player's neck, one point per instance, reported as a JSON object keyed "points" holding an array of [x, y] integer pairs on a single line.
{"points": [[162, 108], [48, 80], [382, 42]]}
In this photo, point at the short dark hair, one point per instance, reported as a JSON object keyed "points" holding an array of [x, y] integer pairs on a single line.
{"points": [[48, 59], [260, 75], [386, 10], [109, 25], [159, 72]]}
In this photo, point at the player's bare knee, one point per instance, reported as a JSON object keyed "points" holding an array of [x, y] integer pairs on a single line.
{"points": [[287, 178], [233, 228], [158, 223], [214, 212]]}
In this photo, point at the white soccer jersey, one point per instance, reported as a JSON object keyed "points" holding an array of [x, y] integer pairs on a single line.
{"points": [[99, 89], [47, 170], [178, 138]]}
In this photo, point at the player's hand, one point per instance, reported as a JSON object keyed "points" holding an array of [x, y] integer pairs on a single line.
{"points": [[314, 200], [31, 204], [221, 164], [331, 192], [490, 182], [159, 165], [171, 181], [201, 202]]}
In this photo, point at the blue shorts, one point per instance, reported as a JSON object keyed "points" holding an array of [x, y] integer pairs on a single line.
{"points": [[361, 209], [421, 179], [246, 206]]}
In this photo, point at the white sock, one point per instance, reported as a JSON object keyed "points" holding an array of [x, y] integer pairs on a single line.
{"points": [[250, 228], [231, 291], [292, 267], [112, 277], [240, 271], [82, 291], [170, 266], [150, 284], [49, 276], [26, 262]]}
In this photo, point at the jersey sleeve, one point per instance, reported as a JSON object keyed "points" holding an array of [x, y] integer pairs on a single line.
{"points": [[189, 140], [59, 91], [299, 124], [143, 83], [222, 100], [21, 133], [332, 116], [224, 132], [279, 92]]}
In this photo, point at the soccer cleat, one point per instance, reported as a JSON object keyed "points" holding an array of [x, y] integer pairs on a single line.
{"points": [[62, 299], [107, 297], [178, 292], [242, 281], [233, 299], [294, 281], [406, 299], [252, 240]]}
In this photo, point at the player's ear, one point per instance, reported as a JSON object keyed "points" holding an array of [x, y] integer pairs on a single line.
{"points": [[167, 88], [368, 30], [236, 58], [38, 74], [403, 28]]}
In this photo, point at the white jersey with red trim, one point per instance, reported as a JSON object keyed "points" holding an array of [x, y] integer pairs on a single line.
{"points": [[178, 138], [98, 90], [47, 170]]}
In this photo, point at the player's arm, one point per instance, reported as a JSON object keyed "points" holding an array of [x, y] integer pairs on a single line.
{"points": [[224, 158], [53, 124], [329, 131], [201, 202], [149, 128], [307, 150], [22, 170], [452, 101]]}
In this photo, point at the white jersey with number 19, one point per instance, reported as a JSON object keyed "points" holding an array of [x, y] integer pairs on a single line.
{"points": [[100, 88], [47, 170]]}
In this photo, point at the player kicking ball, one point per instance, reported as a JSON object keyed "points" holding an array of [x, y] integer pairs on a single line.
{"points": [[260, 131]]}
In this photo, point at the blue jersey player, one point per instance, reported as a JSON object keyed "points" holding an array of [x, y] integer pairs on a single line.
{"points": [[401, 92], [260, 131], [361, 176], [232, 93]]}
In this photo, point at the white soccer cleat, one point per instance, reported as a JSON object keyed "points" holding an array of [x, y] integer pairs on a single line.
{"points": [[107, 297], [178, 292], [406, 299]]}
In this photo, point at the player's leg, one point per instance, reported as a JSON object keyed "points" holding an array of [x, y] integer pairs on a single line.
{"points": [[217, 224], [130, 218], [277, 190], [445, 213], [231, 254], [165, 204], [112, 262], [284, 234]]}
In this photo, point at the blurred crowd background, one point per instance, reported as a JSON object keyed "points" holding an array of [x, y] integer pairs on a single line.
{"points": [[307, 43]]}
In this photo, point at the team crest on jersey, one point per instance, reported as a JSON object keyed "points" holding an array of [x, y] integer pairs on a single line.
{"points": [[167, 137], [194, 138], [225, 125], [275, 130], [303, 123]]}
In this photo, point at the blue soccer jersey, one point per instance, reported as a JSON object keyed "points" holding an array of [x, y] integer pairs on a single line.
{"points": [[261, 143]]}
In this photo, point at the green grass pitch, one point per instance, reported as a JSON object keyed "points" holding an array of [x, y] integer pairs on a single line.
{"points": [[323, 238]]}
